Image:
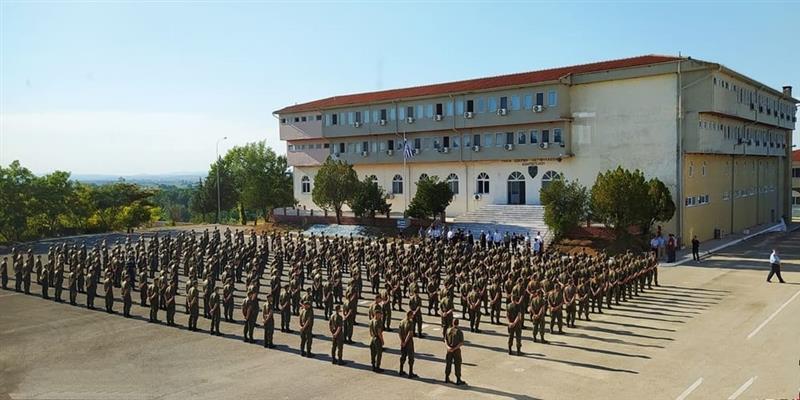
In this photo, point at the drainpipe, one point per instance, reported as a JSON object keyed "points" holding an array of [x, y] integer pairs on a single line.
{"points": [[461, 155], [679, 156]]}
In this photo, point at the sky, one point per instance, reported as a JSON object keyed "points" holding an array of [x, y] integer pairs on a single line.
{"points": [[150, 87]]}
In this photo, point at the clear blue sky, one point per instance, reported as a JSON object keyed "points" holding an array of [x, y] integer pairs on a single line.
{"points": [[126, 88]]}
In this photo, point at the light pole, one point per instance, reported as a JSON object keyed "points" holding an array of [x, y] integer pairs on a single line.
{"points": [[219, 202]]}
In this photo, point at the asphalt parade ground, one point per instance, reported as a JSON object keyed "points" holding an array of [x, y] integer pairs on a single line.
{"points": [[712, 330]]}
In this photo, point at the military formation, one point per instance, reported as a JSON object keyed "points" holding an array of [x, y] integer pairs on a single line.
{"points": [[449, 278]]}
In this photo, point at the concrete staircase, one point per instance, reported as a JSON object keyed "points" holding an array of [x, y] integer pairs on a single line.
{"points": [[512, 218]]}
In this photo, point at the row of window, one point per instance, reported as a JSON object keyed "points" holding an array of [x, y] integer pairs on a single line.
{"points": [[703, 199], [481, 182], [771, 105], [795, 172], [303, 118], [726, 170], [758, 137], [467, 108]]}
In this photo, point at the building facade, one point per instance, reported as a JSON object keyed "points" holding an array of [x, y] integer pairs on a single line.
{"points": [[719, 140], [796, 184]]}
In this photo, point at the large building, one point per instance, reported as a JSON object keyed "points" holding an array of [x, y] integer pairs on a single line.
{"points": [[796, 184], [721, 141]]}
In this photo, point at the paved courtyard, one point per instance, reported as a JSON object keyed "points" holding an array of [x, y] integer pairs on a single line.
{"points": [[713, 330]]}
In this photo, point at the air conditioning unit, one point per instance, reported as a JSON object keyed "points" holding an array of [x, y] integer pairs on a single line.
{"points": [[410, 120], [562, 144], [468, 115], [502, 111], [445, 149], [389, 152], [437, 117], [383, 122], [476, 196], [335, 155], [538, 108], [509, 146], [416, 151], [364, 153], [357, 124], [476, 148], [545, 145]]}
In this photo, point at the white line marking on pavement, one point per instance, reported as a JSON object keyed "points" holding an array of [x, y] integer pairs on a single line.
{"points": [[690, 389], [763, 324], [362, 302], [9, 295], [425, 326], [742, 388]]}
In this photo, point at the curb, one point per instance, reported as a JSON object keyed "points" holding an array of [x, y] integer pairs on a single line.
{"points": [[734, 242]]}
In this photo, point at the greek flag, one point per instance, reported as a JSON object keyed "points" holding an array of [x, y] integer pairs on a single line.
{"points": [[408, 152]]}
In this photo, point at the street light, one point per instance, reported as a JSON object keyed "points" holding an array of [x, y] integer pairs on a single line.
{"points": [[219, 202]]}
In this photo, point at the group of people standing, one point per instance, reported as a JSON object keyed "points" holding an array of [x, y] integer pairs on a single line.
{"points": [[286, 276]]}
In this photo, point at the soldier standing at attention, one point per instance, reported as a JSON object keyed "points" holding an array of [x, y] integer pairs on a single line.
{"points": [[336, 326], [406, 331], [415, 304], [44, 280], [347, 317], [376, 340], [474, 301], [192, 306], [227, 300], [27, 268], [268, 319], [215, 312], [286, 310], [327, 299], [91, 289], [58, 280], [108, 287], [570, 301], [538, 308], [143, 287], [4, 272], [170, 299], [446, 307], [306, 329], [555, 301], [126, 296], [153, 297], [454, 339], [72, 285], [514, 326]]}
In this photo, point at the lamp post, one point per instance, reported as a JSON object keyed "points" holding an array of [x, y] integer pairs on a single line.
{"points": [[219, 202]]}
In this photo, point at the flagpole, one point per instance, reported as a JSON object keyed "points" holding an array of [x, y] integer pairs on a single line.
{"points": [[405, 178]]}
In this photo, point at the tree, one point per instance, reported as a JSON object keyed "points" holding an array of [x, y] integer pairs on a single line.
{"points": [[432, 198], [111, 200], [661, 207], [138, 213], [565, 206], [48, 201], [15, 200], [228, 189], [619, 198], [369, 199], [334, 185], [201, 200], [261, 177]]}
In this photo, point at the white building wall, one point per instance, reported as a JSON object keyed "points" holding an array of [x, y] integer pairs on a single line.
{"points": [[622, 122]]}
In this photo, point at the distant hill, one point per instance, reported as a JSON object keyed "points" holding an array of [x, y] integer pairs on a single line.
{"points": [[177, 179]]}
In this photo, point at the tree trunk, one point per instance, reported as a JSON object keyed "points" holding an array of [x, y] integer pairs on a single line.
{"points": [[338, 216], [242, 215]]}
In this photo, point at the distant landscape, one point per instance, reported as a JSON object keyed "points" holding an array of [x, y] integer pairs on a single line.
{"points": [[179, 179]]}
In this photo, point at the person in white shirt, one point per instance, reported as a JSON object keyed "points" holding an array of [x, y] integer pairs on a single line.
{"points": [[536, 246], [775, 266], [450, 235]]}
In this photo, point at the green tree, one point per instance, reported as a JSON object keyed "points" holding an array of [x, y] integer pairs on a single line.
{"points": [[16, 193], [228, 187], [565, 206], [661, 207], [110, 201], [369, 199], [138, 213], [80, 207], [619, 198], [334, 185], [262, 178], [49, 199], [432, 198], [202, 203]]}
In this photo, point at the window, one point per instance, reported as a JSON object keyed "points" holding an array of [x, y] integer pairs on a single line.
{"points": [[521, 137], [342, 148], [397, 184], [303, 119], [417, 143], [483, 183], [456, 141], [487, 139], [390, 144], [476, 140], [515, 105], [534, 136], [459, 108], [702, 199], [470, 105], [364, 146], [545, 136], [391, 114], [384, 115], [528, 102], [540, 99], [452, 182], [499, 139], [334, 119], [468, 141], [691, 169], [410, 111], [446, 141], [703, 169], [358, 117], [439, 109], [351, 117], [549, 177], [305, 185], [296, 119], [419, 112], [795, 172], [283, 120], [366, 116], [491, 104], [429, 111], [504, 102], [557, 135], [326, 145], [726, 196], [509, 137], [690, 201], [552, 98], [481, 104]]}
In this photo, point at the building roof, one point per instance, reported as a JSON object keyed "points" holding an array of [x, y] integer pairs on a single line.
{"points": [[796, 155], [524, 78]]}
